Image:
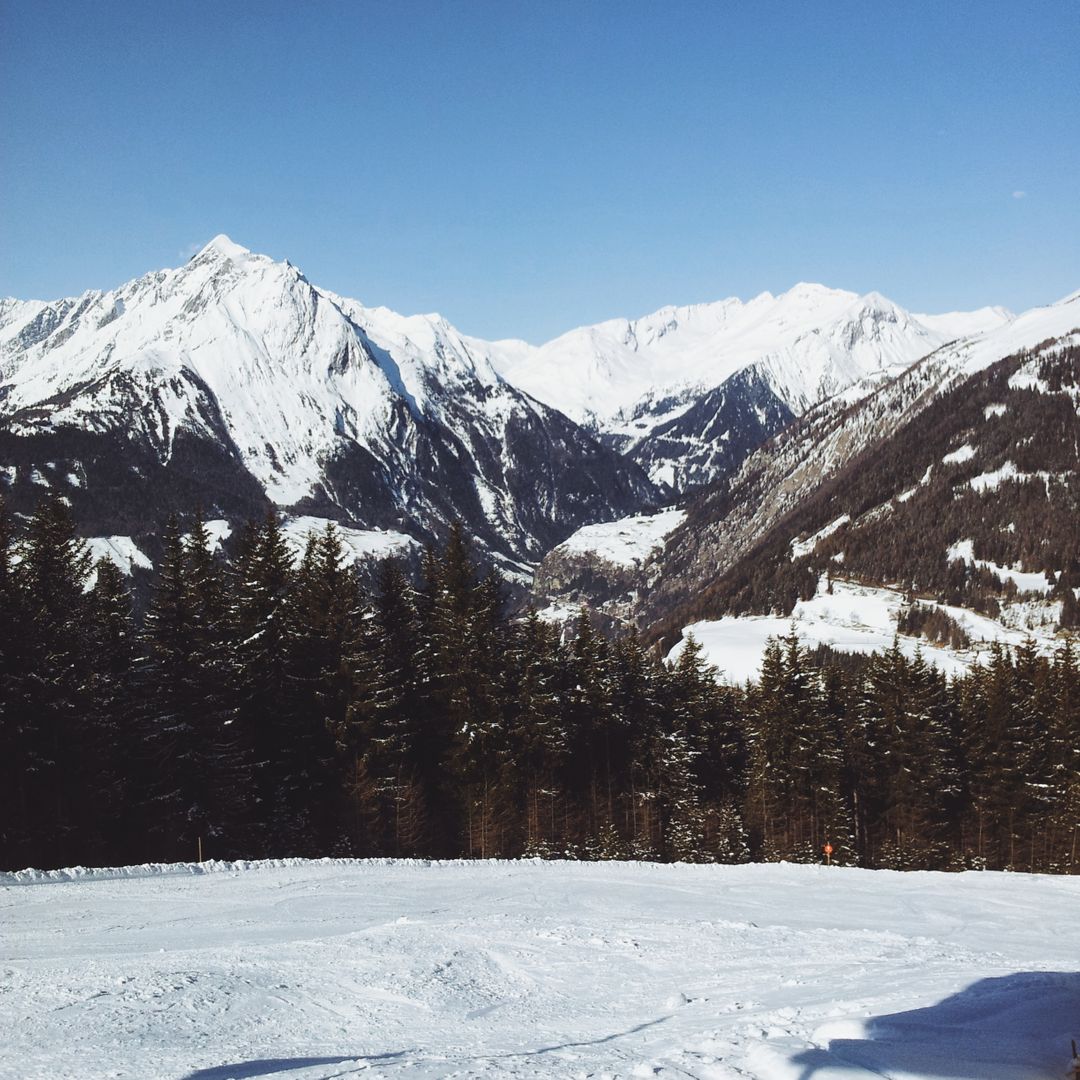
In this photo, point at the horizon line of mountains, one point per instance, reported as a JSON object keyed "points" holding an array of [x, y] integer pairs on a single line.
{"points": [[234, 384]]}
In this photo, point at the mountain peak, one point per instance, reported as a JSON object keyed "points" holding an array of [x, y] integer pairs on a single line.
{"points": [[221, 246], [812, 290]]}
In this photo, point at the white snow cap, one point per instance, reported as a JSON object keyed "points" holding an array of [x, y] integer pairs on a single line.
{"points": [[222, 246], [809, 343]]}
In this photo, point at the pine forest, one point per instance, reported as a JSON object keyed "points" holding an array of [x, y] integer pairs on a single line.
{"points": [[266, 706]]}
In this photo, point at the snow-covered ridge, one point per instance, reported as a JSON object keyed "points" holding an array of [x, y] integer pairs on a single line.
{"points": [[811, 342], [359, 544], [287, 370]]}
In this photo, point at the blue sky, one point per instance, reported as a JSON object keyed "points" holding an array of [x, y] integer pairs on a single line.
{"points": [[524, 168]]}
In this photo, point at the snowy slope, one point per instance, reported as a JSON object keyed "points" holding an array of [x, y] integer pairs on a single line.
{"points": [[809, 342], [308, 971], [376, 418], [961, 324], [626, 542], [359, 544], [856, 618]]}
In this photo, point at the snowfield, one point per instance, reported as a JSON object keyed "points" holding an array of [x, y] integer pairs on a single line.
{"points": [[862, 619], [374, 969]]}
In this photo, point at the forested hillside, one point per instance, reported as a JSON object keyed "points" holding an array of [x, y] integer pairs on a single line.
{"points": [[263, 707]]}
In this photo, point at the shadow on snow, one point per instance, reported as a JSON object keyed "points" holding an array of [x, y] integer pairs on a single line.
{"points": [[248, 1070], [1016, 1027]]}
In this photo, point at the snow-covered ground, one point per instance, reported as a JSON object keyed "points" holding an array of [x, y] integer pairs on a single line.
{"points": [[121, 550], [337, 969], [626, 542], [359, 544], [860, 619]]}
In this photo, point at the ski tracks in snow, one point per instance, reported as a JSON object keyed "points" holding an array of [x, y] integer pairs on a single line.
{"points": [[321, 970]]}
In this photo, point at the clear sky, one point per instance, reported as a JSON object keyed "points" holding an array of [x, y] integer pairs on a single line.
{"points": [[527, 167]]}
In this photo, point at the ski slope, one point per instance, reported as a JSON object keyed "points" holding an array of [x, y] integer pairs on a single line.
{"points": [[330, 969]]}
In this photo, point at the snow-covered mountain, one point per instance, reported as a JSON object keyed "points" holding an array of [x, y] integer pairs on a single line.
{"points": [[811, 340], [234, 383], [915, 467], [690, 391], [233, 379]]}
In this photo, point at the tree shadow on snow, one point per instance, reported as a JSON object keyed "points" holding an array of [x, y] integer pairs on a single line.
{"points": [[1016, 1027], [247, 1070]]}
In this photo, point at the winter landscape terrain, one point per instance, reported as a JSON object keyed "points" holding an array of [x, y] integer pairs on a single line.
{"points": [[816, 461], [539, 541], [234, 384], [319, 970]]}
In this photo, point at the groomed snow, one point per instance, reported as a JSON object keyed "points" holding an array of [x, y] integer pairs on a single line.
{"points": [[626, 542], [312, 970]]}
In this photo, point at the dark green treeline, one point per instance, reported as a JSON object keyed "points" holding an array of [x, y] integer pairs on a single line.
{"points": [[268, 707]]}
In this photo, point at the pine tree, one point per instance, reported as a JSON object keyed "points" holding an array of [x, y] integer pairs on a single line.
{"points": [[183, 686], [310, 775], [994, 757], [14, 716], [118, 832], [536, 736], [56, 790], [386, 718], [796, 790], [586, 695], [1063, 761], [262, 692]]}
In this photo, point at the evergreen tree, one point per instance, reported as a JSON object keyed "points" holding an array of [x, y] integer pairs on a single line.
{"points": [[386, 720], [196, 776], [118, 832], [263, 700], [310, 775], [56, 789], [586, 695], [536, 736]]}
